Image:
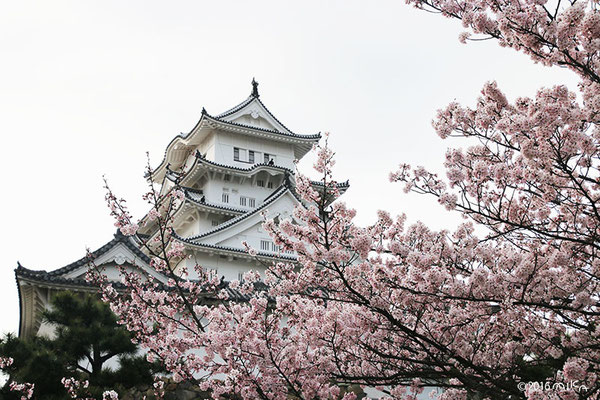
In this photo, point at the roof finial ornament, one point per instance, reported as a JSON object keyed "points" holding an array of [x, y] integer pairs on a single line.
{"points": [[254, 88]]}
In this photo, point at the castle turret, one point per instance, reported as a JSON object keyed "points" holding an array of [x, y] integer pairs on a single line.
{"points": [[232, 168]]}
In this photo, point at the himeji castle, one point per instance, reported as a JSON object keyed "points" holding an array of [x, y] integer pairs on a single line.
{"points": [[232, 168]]}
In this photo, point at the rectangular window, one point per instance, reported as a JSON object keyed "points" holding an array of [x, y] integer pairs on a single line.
{"points": [[240, 276], [265, 245], [251, 202], [242, 201], [260, 183], [270, 184], [269, 158], [236, 154], [251, 156], [225, 197], [215, 223], [274, 248]]}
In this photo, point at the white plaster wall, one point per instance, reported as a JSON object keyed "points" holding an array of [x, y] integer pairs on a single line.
{"points": [[205, 224], [228, 267], [213, 190], [259, 122], [189, 229], [226, 141], [201, 224], [46, 329], [252, 236], [206, 147], [282, 206]]}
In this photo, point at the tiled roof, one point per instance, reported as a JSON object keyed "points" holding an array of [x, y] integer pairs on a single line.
{"points": [[44, 277], [219, 118], [233, 168], [313, 137], [278, 256], [339, 185], [254, 96], [195, 196], [118, 238], [235, 109]]}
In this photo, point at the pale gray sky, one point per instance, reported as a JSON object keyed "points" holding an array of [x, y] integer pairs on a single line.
{"points": [[86, 88]]}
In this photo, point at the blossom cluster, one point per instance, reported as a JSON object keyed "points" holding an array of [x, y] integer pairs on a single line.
{"points": [[511, 292], [25, 389]]}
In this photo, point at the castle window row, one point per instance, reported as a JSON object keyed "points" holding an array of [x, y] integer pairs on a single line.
{"points": [[252, 156], [268, 245], [261, 183], [245, 201]]}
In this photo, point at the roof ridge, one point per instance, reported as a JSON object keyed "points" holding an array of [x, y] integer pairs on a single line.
{"points": [[236, 108], [274, 117], [249, 100], [20, 267], [288, 133], [211, 204], [337, 184], [118, 238], [235, 294], [238, 250]]}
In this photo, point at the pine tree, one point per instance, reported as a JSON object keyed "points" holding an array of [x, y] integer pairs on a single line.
{"points": [[86, 337]]}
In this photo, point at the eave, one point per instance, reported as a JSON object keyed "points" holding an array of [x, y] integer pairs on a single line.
{"points": [[207, 123], [117, 239], [191, 198], [202, 165], [234, 252], [234, 221], [340, 186]]}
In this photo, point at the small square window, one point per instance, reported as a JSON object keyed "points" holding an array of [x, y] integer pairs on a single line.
{"points": [[260, 183], [265, 245], [270, 184]]}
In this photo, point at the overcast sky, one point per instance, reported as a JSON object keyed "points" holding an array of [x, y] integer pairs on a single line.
{"points": [[86, 88]]}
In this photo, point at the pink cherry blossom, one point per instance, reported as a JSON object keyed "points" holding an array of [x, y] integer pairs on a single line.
{"points": [[110, 395], [475, 310]]}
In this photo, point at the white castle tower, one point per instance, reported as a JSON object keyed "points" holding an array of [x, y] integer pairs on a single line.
{"points": [[232, 167]]}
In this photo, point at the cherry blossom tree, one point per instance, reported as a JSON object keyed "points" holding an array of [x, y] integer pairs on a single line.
{"points": [[508, 312]]}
